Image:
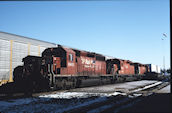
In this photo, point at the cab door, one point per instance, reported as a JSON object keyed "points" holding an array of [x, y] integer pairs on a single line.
{"points": [[56, 65]]}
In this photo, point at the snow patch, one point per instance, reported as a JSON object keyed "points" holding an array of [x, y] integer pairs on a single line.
{"points": [[70, 95], [146, 87], [137, 95], [165, 89]]}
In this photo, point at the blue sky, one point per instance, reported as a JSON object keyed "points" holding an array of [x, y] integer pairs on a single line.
{"points": [[126, 29]]}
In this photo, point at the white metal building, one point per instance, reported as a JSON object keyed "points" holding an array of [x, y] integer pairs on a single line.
{"points": [[13, 48]]}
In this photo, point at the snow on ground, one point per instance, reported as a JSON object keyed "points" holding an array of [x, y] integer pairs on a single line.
{"points": [[70, 95], [43, 104], [106, 90], [53, 103], [165, 89], [123, 87], [67, 100], [148, 86]]}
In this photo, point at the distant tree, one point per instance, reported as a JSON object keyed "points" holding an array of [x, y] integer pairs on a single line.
{"points": [[169, 70], [162, 70]]}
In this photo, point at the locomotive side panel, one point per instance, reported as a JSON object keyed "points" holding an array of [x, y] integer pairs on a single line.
{"points": [[90, 66], [131, 69], [100, 67], [142, 69], [87, 65], [126, 68]]}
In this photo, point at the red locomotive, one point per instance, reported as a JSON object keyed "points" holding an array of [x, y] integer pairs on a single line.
{"points": [[62, 67]]}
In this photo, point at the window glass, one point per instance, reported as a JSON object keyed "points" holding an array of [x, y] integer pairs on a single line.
{"points": [[70, 57]]}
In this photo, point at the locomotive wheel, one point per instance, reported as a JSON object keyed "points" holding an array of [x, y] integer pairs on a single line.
{"points": [[58, 84], [73, 83], [64, 84], [124, 79], [112, 80], [78, 83], [101, 81]]}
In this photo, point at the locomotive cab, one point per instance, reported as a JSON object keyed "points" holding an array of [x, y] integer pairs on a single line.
{"points": [[136, 68], [113, 66], [61, 60]]}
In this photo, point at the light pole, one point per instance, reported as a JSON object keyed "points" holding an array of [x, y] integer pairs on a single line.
{"points": [[163, 49]]}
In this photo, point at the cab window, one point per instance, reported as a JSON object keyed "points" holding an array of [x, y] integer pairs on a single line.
{"points": [[70, 57]]}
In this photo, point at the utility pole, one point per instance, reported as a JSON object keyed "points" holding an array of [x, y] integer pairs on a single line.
{"points": [[163, 49]]}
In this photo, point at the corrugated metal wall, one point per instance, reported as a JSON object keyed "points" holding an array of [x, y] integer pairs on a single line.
{"points": [[12, 52], [4, 59]]}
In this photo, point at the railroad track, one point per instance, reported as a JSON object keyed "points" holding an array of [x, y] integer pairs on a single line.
{"points": [[23, 95], [13, 95], [83, 100], [119, 102]]}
